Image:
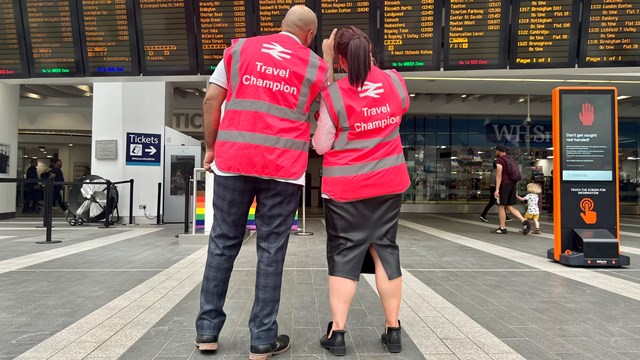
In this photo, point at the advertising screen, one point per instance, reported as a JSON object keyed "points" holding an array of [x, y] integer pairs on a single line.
{"points": [[411, 34], [544, 34], [108, 36], [53, 38], [166, 37]]}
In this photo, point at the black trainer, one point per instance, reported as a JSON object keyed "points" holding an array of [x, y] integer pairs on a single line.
{"points": [[499, 231], [265, 352], [508, 219], [207, 342], [483, 218], [335, 344], [392, 339], [526, 227]]}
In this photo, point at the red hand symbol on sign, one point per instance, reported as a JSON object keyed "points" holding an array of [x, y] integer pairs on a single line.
{"points": [[586, 116]]}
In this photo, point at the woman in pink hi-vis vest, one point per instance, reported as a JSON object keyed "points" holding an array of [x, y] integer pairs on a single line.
{"points": [[363, 177]]}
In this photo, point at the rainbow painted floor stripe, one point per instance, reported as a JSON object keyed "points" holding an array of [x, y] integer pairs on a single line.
{"points": [[251, 220], [200, 206]]}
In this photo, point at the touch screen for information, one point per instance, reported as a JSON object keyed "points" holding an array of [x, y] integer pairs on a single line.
{"points": [[270, 13], [218, 23], [166, 37], [53, 39], [587, 131], [610, 33], [108, 37], [13, 57], [476, 34], [544, 33], [411, 34]]}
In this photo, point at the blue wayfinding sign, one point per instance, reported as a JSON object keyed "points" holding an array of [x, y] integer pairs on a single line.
{"points": [[143, 149]]}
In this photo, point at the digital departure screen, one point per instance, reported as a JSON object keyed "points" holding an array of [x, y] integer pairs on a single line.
{"points": [[269, 14], [166, 37], [544, 33], [610, 33], [476, 34], [13, 57], [53, 38], [411, 33], [336, 14], [218, 23], [108, 37]]}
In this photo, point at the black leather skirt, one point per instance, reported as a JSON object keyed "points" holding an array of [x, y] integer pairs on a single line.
{"points": [[353, 226]]}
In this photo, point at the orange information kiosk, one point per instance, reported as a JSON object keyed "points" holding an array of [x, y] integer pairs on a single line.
{"points": [[585, 166]]}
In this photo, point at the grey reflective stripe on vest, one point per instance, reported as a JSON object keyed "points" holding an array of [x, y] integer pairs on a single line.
{"points": [[309, 78], [364, 168], [235, 63], [398, 85], [341, 111], [262, 139], [368, 143], [261, 106]]}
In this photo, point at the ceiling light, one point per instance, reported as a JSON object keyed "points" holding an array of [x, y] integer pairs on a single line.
{"points": [[550, 157], [34, 157], [25, 156], [622, 97], [70, 144], [521, 100], [412, 95], [49, 156], [464, 95], [550, 148], [85, 88], [32, 95]]}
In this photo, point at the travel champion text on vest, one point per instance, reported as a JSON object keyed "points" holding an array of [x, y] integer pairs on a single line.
{"points": [[376, 124], [273, 85]]}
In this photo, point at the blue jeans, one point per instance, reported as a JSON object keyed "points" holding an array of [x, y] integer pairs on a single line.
{"points": [[277, 203]]}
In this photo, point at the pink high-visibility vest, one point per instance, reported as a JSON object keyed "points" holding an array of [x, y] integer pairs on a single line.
{"points": [[265, 129]]}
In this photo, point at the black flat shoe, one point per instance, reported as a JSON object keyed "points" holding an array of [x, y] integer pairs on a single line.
{"points": [[392, 339], [207, 342], [335, 344], [265, 352]]}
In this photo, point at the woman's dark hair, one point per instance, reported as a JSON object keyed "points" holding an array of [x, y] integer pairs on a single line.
{"points": [[355, 46]]}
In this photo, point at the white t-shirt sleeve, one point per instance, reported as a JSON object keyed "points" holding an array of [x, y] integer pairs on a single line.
{"points": [[219, 76]]}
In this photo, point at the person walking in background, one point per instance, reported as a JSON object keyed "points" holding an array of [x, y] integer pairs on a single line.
{"points": [[507, 177], [258, 149], [364, 177], [533, 211], [492, 198], [58, 176], [30, 194]]}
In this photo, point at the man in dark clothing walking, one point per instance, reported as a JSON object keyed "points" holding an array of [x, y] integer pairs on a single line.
{"points": [[506, 192], [30, 198], [58, 176]]}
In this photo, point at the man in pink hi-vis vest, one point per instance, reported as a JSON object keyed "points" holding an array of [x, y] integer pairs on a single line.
{"points": [[258, 149]]}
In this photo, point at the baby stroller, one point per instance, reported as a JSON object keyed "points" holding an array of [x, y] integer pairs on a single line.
{"points": [[88, 201]]}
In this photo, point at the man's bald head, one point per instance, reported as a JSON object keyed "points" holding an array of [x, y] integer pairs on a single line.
{"points": [[301, 22]]}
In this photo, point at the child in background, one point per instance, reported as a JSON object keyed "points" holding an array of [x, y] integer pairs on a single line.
{"points": [[533, 212]]}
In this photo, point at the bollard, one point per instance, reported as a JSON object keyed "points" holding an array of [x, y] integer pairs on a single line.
{"points": [[304, 231], [187, 197], [130, 202], [107, 208], [48, 212]]}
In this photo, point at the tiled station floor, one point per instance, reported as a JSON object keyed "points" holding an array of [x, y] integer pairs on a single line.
{"points": [[132, 293]]}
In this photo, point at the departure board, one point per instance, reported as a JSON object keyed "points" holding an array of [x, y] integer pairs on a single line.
{"points": [[108, 37], [13, 57], [166, 36], [411, 33], [269, 14], [53, 38], [476, 34], [544, 33], [610, 33], [336, 14], [218, 23]]}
